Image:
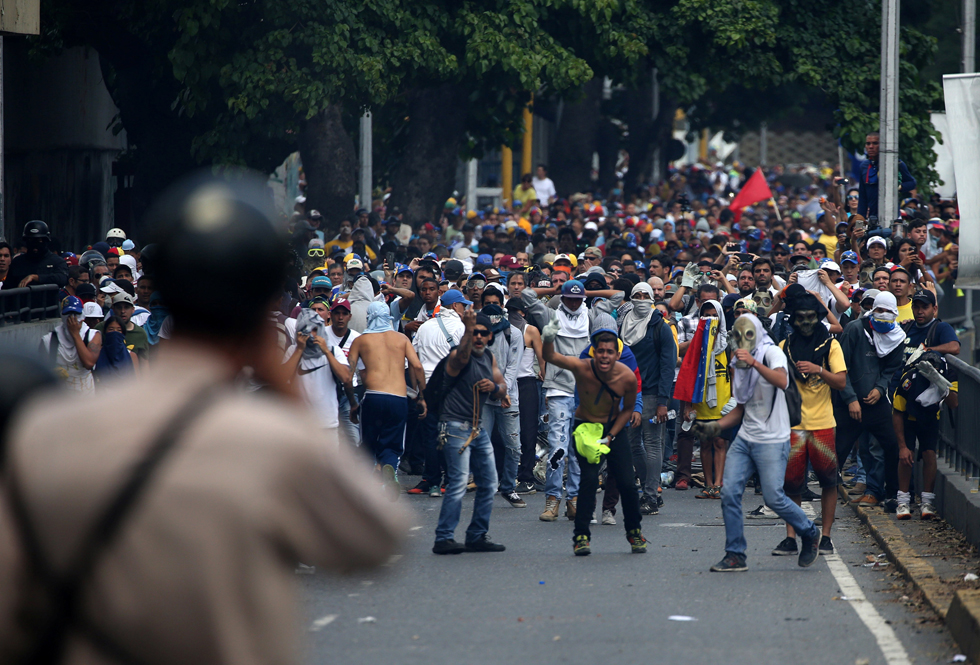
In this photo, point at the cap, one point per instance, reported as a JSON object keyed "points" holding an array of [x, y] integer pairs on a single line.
{"points": [[509, 263], [516, 303], [850, 257], [109, 286], [71, 305], [870, 293], [796, 257], [402, 268], [453, 269], [829, 265], [92, 310], [128, 245], [567, 257], [592, 252], [746, 303], [463, 253], [702, 226], [453, 296], [572, 289], [85, 291], [491, 274], [355, 264], [591, 226], [877, 240], [321, 282], [341, 302], [122, 297], [116, 233], [925, 296], [484, 258]]}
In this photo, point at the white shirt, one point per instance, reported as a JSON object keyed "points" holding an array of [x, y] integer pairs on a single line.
{"points": [[334, 341], [319, 387], [430, 342], [545, 189], [763, 421]]}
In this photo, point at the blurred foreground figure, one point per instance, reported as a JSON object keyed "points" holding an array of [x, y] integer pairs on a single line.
{"points": [[173, 539]]}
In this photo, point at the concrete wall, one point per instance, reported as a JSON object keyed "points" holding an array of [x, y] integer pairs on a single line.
{"points": [[958, 502], [25, 337], [59, 144]]}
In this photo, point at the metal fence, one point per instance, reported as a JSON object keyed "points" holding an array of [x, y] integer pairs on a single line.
{"points": [[960, 427], [30, 303]]}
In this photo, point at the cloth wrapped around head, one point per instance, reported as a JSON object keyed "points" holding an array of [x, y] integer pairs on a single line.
{"points": [[378, 318]]}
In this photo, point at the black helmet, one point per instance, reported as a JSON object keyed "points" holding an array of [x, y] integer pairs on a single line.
{"points": [[36, 229], [148, 260], [206, 229], [90, 259]]}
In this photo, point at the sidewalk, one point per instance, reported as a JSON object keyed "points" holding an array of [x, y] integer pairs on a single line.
{"points": [[936, 559]]}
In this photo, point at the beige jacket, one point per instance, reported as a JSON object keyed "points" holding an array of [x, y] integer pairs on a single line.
{"points": [[202, 571]]}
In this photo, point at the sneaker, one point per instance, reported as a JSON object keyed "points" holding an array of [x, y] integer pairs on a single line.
{"points": [[390, 481], [809, 495], [927, 512], [421, 488], [608, 518], [732, 563], [868, 500], [826, 546], [514, 499], [526, 487], [571, 507], [808, 551], [890, 505], [786, 547], [484, 544], [647, 506], [550, 513], [903, 512], [859, 489], [581, 546], [682, 485], [660, 501], [637, 542], [448, 547], [435, 491]]}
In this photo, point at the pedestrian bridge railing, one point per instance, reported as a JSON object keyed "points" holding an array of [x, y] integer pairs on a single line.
{"points": [[960, 428], [29, 303]]}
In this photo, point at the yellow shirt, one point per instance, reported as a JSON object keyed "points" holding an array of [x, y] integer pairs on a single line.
{"points": [[723, 387], [818, 412], [524, 195], [905, 312], [830, 242]]}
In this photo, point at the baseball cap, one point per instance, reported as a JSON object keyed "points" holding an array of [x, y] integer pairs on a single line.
{"points": [[509, 263], [453, 269], [128, 245], [485, 258], [877, 240], [321, 282], [592, 252], [85, 291], [92, 310], [401, 267], [746, 303], [573, 289], [925, 296], [453, 296], [829, 265], [71, 305], [122, 297], [355, 264], [567, 257], [516, 303], [341, 302], [870, 294], [849, 257], [463, 253], [477, 277], [110, 286], [492, 274]]}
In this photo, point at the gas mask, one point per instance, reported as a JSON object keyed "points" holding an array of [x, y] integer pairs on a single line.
{"points": [[804, 321], [744, 337], [763, 299], [866, 277]]}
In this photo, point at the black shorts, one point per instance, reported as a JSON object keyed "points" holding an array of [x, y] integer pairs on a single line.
{"points": [[926, 433]]}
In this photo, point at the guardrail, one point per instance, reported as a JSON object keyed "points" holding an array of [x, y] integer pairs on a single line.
{"points": [[960, 428], [30, 303]]}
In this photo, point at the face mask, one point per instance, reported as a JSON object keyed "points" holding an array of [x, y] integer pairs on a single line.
{"points": [[881, 325], [743, 334], [805, 322]]}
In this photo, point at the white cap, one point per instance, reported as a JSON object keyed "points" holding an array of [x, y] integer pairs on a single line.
{"points": [[115, 233], [830, 265], [355, 263], [91, 310], [591, 226], [111, 287], [877, 240]]}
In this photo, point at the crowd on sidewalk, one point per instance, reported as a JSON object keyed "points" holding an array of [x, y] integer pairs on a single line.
{"points": [[563, 344]]}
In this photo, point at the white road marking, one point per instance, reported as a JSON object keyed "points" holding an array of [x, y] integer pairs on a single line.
{"points": [[323, 622]]}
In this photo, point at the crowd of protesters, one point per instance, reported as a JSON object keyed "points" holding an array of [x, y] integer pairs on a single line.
{"points": [[564, 343]]}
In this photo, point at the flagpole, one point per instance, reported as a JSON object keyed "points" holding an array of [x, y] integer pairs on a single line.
{"points": [[775, 207]]}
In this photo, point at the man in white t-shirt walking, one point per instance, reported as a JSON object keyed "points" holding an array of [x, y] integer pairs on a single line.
{"points": [[340, 337], [544, 186], [762, 444]]}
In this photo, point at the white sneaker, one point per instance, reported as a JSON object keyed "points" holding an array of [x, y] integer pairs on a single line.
{"points": [[607, 518], [927, 512], [902, 512]]}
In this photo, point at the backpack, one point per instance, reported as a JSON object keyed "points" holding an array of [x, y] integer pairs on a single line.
{"points": [[794, 401]]}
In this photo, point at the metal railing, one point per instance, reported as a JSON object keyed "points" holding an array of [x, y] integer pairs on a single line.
{"points": [[959, 439], [30, 303]]}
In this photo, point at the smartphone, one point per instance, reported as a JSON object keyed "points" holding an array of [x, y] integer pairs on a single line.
{"points": [[732, 246], [744, 258], [390, 261]]}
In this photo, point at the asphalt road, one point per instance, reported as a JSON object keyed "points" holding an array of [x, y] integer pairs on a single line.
{"points": [[537, 602]]}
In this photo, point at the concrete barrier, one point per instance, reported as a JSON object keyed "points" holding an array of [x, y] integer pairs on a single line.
{"points": [[958, 502], [25, 337]]}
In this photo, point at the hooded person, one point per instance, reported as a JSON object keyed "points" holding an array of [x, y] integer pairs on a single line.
{"points": [[129, 261], [154, 323], [881, 325], [72, 347], [360, 298], [115, 358]]}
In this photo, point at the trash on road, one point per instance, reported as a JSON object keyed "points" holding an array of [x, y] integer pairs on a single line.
{"points": [[680, 617], [323, 622], [970, 577], [958, 658], [877, 564], [367, 620]]}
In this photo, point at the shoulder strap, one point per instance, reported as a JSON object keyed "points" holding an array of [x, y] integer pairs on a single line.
{"points": [[605, 386], [64, 589], [449, 338], [53, 346], [343, 340]]}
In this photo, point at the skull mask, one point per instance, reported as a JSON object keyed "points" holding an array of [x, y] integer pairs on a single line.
{"points": [[744, 336], [804, 321], [763, 299]]}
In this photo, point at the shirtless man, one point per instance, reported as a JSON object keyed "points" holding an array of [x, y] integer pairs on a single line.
{"points": [[601, 381], [384, 410]]}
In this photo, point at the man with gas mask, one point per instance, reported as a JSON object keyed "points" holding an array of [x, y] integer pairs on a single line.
{"points": [[762, 444], [873, 352], [819, 362], [39, 265], [208, 482]]}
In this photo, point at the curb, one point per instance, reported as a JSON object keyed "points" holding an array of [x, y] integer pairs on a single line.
{"points": [[961, 613]]}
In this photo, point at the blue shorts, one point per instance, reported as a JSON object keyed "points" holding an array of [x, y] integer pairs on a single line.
{"points": [[383, 418]]}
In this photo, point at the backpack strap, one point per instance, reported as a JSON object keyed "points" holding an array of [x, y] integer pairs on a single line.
{"points": [[64, 590], [449, 338], [605, 386], [53, 346]]}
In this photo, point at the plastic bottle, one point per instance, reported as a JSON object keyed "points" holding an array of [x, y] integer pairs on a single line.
{"points": [[689, 421]]}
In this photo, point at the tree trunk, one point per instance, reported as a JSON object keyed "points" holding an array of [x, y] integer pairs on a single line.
{"points": [[640, 142], [607, 145], [575, 141], [330, 164], [426, 174]]}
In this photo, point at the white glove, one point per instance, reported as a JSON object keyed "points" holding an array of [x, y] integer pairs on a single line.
{"points": [[550, 331], [705, 431], [603, 442], [691, 273], [934, 377]]}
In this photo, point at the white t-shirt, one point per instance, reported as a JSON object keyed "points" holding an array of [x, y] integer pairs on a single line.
{"points": [[333, 340], [763, 422], [545, 189], [319, 388]]}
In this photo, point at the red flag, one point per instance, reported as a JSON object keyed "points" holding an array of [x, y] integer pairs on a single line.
{"points": [[753, 191], [684, 385]]}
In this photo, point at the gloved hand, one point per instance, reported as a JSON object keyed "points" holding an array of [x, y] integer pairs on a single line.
{"points": [[603, 442], [935, 378], [550, 331], [705, 431], [691, 273]]}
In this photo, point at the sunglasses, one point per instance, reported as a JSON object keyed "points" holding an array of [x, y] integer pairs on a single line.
{"points": [[316, 251], [781, 254], [481, 333], [617, 271], [852, 198]]}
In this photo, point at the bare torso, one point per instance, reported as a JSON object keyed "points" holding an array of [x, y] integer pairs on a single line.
{"points": [[595, 404], [384, 356]]}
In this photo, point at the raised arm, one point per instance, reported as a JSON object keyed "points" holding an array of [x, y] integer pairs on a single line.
{"points": [[459, 357], [550, 355]]}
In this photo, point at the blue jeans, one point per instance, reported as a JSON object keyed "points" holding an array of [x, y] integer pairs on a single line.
{"points": [[477, 457], [507, 422], [561, 413], [873, 462], [347, 428], [653, 445], [769, 459]]}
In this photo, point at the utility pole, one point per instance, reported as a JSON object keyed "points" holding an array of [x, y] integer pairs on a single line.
{"points": [[764, 141], [367, 167], [888, 148], [655, 171], [528, 142], [969, 36]]}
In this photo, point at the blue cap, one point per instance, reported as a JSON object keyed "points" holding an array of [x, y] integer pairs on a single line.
{"points": [[431, 256], [321, 282], [640, 265], [401, 267], [485, 258], [755, 234], [573, 289], [452, 296], [851, 257], [488, 227], [71, 305]]}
